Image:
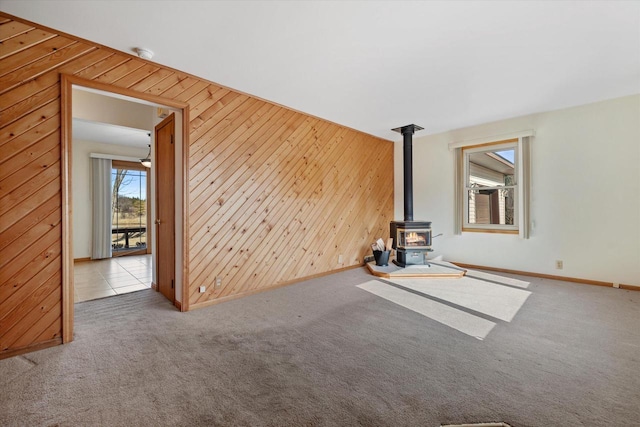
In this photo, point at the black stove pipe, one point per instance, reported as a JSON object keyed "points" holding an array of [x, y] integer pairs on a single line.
{"points": [[407, 136], [407, 148]]}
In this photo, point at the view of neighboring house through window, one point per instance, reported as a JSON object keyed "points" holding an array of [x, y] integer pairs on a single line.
{"points": [[128, 207], [491, 187]]}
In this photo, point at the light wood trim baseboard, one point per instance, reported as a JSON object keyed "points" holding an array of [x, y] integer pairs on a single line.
{"points": [[78, 260], [28, 349], [178, 304], [547, 276], [270, 288], [154, 286]]}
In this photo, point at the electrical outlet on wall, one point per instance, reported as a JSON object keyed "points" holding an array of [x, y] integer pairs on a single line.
{"points": [[218, 282], [559, 264], [340, 260], [202, 289]]}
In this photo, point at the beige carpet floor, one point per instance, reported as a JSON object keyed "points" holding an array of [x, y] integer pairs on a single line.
{"points": [[343, 350]]}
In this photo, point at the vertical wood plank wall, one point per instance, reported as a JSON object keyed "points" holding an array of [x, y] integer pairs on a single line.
{"points": [[274, 195]]}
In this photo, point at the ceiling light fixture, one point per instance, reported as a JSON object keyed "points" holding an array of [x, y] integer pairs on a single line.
{"points": [[143, 53], [146, 162]]}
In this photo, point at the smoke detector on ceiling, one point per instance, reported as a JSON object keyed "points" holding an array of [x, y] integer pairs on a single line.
{"points": [[143, 53]]}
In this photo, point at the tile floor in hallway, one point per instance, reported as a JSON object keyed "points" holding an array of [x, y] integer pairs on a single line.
{"points": [[113, 276]]}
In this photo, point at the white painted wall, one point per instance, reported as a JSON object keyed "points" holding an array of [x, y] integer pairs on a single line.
{"points": [[585, 193], [81, 188], [106, 109]]}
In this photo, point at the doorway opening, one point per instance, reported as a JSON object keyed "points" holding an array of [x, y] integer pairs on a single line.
{"points": [[128, 266], [131, 236]]}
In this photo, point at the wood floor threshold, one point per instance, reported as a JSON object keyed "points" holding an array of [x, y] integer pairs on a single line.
{"points": [[439, 272], [270, 288], [30, 348], [549, 276], [129, 252]]}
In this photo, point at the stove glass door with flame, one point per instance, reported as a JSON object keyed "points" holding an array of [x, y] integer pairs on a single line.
{"points": [[413, 238]]}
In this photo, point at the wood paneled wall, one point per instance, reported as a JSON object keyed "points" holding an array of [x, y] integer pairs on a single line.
{"points": [[274, 195]]}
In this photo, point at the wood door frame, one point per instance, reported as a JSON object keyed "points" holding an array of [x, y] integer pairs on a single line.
{"points": [[67, 81]]}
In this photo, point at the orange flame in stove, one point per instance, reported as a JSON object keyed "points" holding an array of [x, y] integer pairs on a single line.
{"points": [[415, 239]]}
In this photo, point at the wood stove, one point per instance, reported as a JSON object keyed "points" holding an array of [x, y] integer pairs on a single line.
{"points": [[411, 239]]}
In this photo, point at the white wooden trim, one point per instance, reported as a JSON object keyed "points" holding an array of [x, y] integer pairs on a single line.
{"points": [[114, 157], [487, 139], [458, 182], [524, 180]]}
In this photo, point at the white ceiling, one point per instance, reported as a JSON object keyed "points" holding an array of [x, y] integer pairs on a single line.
{"points": [[87, 130], [374, 66]]}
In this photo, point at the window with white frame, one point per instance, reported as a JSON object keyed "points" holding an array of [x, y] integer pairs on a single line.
{"points": [[490, 197], [492, 184]]}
